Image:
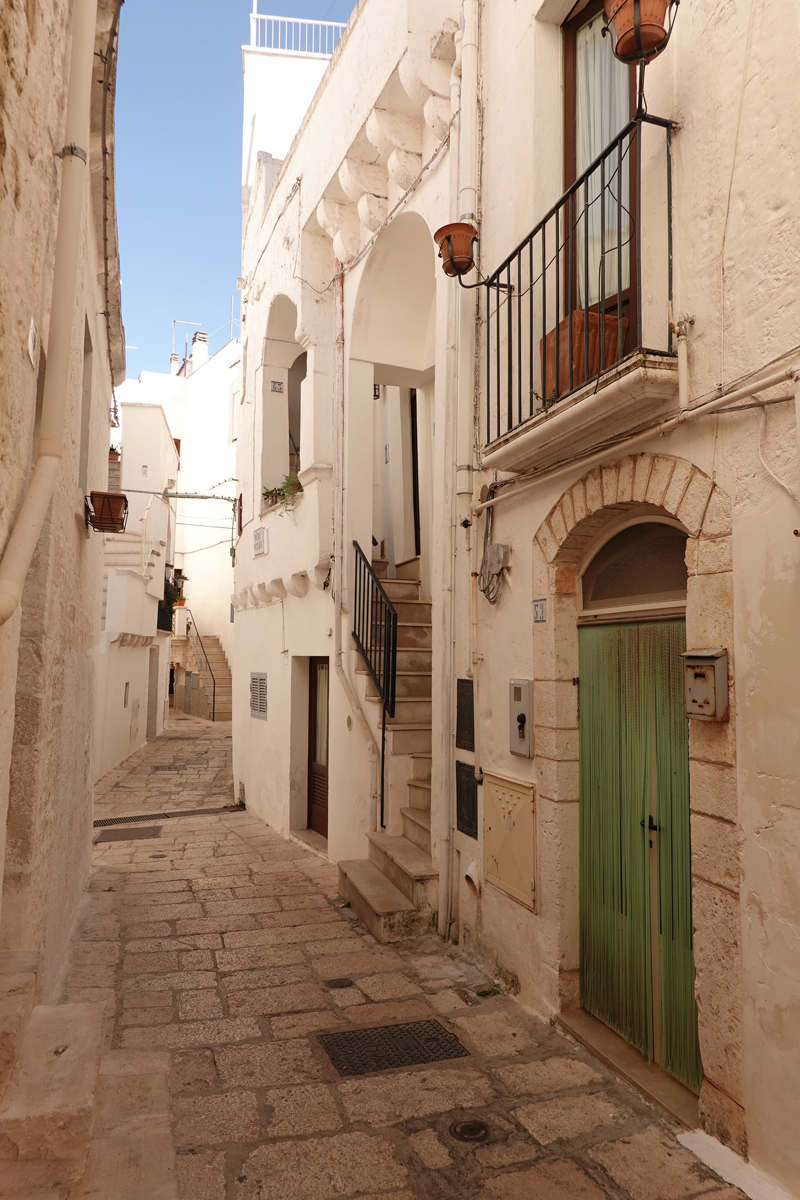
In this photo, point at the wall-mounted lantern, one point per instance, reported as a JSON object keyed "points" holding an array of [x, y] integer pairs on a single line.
{"points": [[106, 512], [641, 28], [455, 242]]}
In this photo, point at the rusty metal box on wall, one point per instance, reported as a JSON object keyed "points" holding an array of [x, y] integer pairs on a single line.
{"points": [[706, 684]]}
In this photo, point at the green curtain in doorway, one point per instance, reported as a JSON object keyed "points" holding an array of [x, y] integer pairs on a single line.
{"points": [[631, 682]]}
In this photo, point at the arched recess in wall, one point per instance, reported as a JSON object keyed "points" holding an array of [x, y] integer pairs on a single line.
{"points": [[393, 337], [283, 369]]}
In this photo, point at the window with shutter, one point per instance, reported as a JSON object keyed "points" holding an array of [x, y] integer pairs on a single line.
{"points": [[258, 694]]}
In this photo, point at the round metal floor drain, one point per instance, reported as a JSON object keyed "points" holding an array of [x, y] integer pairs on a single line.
{"points": [[339, 983], [469, 1131]]}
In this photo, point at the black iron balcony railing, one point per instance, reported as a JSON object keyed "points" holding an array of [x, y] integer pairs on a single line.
{"points": [[375, 635], [568, 303]]}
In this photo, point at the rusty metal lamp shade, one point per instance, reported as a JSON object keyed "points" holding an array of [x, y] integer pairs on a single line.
{"points": [[641, 28], [107, 512], [455, 242]]}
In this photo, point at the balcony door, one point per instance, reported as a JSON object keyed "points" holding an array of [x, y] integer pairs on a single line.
{"points": [[599, 97]]}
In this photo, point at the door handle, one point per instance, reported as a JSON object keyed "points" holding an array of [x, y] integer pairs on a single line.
{"points": [[652, 827]]}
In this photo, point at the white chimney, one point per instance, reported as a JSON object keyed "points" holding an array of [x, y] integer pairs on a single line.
{"points": [[174, 364], [199, 349]]}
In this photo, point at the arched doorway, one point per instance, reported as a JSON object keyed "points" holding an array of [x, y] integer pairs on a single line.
{"points": [[636, 962]]}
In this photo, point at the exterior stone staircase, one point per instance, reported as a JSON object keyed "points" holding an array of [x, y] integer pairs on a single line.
{"points": [[125, 550], [395, 890], [49, 1066], [183, 656]]}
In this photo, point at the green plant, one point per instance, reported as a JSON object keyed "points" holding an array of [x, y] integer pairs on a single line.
{"points": [[287, 493], [165, 607]]}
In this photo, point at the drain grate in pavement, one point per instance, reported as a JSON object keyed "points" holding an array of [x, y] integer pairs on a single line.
{"points": [[359, 1051], [129, 835], [169, 767], [165, 816]]}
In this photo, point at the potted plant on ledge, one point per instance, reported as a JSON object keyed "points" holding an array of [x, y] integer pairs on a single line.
{"points": [[287, 493]]}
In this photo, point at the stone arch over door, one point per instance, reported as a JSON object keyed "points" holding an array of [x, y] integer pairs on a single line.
{"points": [[618, 489]]}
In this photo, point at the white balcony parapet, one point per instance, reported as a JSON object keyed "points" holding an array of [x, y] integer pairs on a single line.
{"points": [[285, 35]]}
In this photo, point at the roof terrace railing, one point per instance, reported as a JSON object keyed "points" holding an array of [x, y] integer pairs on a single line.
{"points": [[285, 35]]}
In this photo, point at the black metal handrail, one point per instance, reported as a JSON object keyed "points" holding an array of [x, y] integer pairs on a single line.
{"points": [[375, 635], [575, 283], [199, 650]]}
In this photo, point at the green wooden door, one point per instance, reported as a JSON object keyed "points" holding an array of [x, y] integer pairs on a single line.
{"points": [[636, 959]]}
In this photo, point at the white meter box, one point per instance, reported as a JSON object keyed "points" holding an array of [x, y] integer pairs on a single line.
{"points": [[509, 837]]}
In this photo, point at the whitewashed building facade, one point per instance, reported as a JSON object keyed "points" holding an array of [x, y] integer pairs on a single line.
{"points": [[629, 865]]}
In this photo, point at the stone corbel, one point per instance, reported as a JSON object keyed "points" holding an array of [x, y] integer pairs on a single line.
{"points": [[427, 83], [322, 572], [366, 184], [341, 223], [132, 640], [297, 584], [236, 602], [388, 131], [276, 589], [261, 594], [404, 167]]}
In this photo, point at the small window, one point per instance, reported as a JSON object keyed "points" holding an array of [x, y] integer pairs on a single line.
{"points": [[641, 566], [259, 541], [258, 695]]}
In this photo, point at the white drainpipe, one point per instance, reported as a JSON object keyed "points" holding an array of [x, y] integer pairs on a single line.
{"points": [[74, 157], [338, 539]]}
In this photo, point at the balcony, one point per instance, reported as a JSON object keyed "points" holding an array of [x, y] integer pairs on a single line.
{"points": [[578, 349], [284, 35]]}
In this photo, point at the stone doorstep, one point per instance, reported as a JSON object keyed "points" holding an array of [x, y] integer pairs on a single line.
{"points": [[373, 899], [648, 1078], [17, 998], [47, 1110]]}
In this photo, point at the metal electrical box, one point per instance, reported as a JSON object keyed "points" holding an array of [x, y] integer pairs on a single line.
{"points": [[509, 837], [520, 718], [705, 675]]}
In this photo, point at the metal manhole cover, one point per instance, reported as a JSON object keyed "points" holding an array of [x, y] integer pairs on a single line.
{"points": [[129, 835], [339, 983], [358, 1051], [469, 1131]]}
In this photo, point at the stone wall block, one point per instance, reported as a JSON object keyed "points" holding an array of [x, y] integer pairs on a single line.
{"points": [[594, 490], [609, 473], [547, 541], [557, 780], [709, 612], [691, 555], [558, 525], [718, 984], [539, 570], [568, 511], [556, 743], [555, 703], [714, 555], [692, 507], [712, 741], [578, 494], [723, 1118], [660, 476], [641, 476], [717, 520], [677, 485], [715, 851], [563, 579], [625, 479], [712, 789]]}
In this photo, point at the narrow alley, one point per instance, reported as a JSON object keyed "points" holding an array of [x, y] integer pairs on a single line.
{"points": [[221, 952]]}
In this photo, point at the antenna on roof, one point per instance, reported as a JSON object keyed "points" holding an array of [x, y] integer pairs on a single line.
{"points": [[177, 321]]}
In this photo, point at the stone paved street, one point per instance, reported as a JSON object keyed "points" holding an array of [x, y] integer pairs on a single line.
{"points": [[212, 946]]}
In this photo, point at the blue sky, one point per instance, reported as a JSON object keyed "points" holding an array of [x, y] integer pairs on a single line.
{"points": [[178, 164]]}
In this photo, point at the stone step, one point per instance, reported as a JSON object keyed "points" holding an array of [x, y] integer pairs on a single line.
{"points": [[401, 589], [410, 569], [410, 738], [47, 1110], [17, 998], [419, 793], [406, 711], [413, 612], [407, 867], [380, 566], [385, 911], [421, 766], [414, 637], [417, 827], [409, 685], [414, 660]]}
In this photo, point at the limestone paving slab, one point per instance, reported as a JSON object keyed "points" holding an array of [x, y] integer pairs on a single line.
{"points": [[211, 949]]}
